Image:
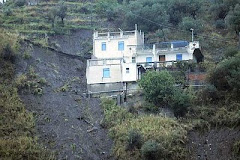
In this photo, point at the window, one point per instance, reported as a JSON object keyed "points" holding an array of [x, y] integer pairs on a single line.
{"points": [[121, 45], [149, 59], [106, 73], [104, 46], [133, 59], [127, 70], [179, 57]]}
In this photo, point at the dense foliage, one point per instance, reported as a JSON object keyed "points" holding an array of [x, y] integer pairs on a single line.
{"points": [[160, 89], [144, 136], [17, 124]]}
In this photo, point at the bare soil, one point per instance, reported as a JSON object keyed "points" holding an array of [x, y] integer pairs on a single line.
{"points": [[66, 121], [213, 145]]}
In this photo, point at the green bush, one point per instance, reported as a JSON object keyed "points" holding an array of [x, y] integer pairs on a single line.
{"points": [[230, 52], [134, 140], [113, 114], [208, 94], [189, 22], [158, 87], [220, 24], [180, 103], [151, 150], [225, 76], [169, 132], [236, 148], [8, 53], [7, 11], [20, 3]]}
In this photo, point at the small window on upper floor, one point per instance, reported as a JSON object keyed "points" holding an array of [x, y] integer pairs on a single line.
{"points": [[127, 70], [104, 46], [121, 45], [133, 59], [179, 57]]}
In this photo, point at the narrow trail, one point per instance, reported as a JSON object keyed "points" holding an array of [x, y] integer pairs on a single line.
{"points": [[66, 121]]}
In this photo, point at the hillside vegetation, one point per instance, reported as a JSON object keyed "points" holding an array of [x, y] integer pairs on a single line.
{"points": [[17, 140], [139, 131]]}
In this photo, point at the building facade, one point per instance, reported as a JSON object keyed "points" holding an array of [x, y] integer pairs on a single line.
{"points": [[120, 58]]}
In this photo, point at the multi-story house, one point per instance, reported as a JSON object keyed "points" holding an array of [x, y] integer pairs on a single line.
{"points": [[120, 58]]}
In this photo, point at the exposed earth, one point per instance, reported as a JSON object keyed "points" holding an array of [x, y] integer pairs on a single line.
{"points": [[66, 121]]}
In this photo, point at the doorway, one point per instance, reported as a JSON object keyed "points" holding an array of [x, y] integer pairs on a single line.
{"points": [[162, 58]]}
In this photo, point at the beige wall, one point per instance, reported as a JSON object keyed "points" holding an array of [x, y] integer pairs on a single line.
{"points": [[112, 45], [95, 74], [118, 72], [132, 75]]}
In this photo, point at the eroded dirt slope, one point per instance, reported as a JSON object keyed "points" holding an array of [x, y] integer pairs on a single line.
{"points": [[213, 145], [66, 121]]}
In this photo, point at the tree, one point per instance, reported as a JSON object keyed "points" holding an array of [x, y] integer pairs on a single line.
{"points": [[158, 87], [62, 11], [107, 9], [225, 77], [177, 9], [150, 15], [233, 19], [189, 22], [51, 15]]}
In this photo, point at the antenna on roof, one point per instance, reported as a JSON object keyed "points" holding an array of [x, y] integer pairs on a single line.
{"points": [[192, 33], [136, 27]]}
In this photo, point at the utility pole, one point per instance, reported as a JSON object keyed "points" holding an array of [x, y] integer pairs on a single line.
{"points": [[192, 33]]}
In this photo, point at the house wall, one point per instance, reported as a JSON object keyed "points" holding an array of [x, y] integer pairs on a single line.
{"points": [[130, 41], [132, 75], [95, 74]]}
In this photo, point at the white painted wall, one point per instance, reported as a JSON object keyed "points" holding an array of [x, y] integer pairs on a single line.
{"points": [[132, 75], [135, 38], [95, 74]]}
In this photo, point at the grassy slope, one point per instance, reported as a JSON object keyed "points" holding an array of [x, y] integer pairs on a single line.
{"points": [[32, 22], [17, 140]]}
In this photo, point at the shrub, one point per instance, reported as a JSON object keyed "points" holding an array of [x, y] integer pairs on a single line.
{"points": [[150, 150], [8, 53], [113, 114], [189, 22], [134, 139], [225, 76], [158, 87], [220, 24], [20, 3], [208, 94], [179, 77], [7, 11], [180, 103], [230, 52], [164, 130], [149, 107], [236, 148]]}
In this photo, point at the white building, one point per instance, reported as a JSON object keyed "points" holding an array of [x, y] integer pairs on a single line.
{"points": [[121, 57]]}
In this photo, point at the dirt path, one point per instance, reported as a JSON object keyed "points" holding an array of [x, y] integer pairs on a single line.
{"points": [[66, 121]]}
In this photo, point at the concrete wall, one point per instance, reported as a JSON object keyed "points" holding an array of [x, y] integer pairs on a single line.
{"points": [[95, 74], [104, 88], [130, 39], [118, 71], [132, 75]]}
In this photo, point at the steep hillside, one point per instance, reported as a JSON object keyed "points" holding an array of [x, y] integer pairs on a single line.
{"points": [[67, 122]]}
